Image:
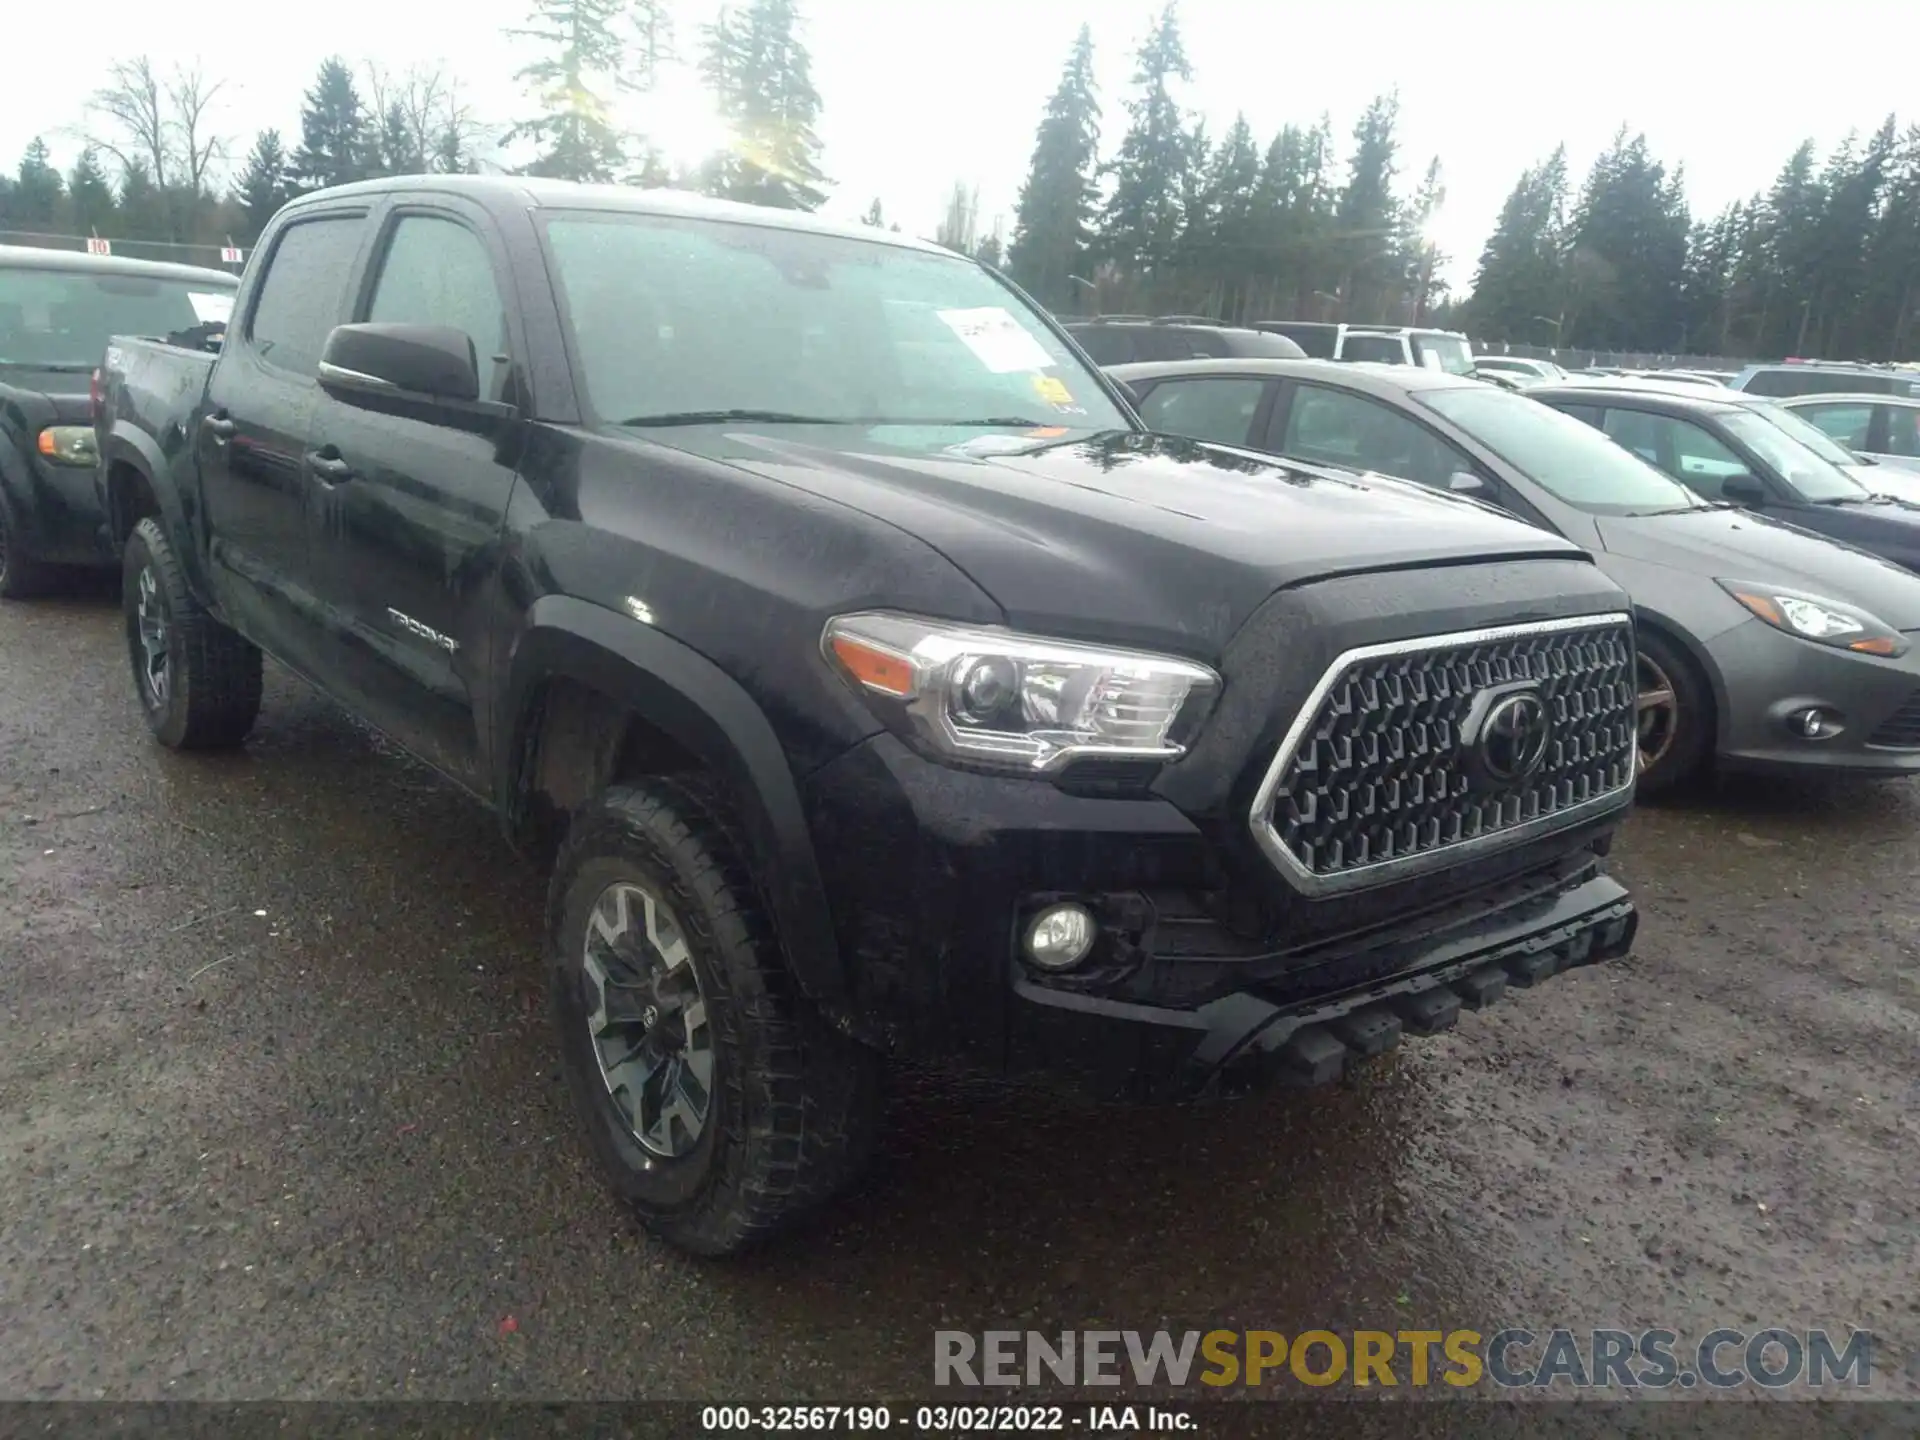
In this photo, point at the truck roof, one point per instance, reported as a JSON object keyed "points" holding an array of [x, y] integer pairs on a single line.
{"points": [[32, 257], [525, 192]]}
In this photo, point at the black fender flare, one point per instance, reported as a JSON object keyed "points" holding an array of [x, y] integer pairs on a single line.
{"points": [[16, 488], [702, 708], [137, 450]]}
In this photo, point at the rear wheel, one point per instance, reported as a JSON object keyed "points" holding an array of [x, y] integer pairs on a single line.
{"points": [[719, 1104], [1675, 712], [198, 682]]}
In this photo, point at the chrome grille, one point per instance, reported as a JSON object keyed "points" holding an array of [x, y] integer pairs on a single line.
{"points": [[1380, 774]]}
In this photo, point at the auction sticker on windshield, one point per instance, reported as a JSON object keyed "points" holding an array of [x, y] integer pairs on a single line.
{"points": [[996, 339], [1053, 390]]}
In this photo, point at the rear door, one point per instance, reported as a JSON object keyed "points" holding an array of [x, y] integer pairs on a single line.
{"points": [[407, 516], [252, 438]]}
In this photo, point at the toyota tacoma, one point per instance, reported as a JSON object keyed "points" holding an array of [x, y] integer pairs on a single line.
{"points": [[873, 683]]}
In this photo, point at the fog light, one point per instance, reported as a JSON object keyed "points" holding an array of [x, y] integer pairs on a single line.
{"points": [[1060, 936], [1815, 723]]}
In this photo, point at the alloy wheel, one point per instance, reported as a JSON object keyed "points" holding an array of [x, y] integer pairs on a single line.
{"points": [[648, 1019], [156, 673], [1659, 713]]}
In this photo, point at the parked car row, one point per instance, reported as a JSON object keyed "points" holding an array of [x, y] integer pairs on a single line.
{"points": [[883, 687], [1763, 643]]}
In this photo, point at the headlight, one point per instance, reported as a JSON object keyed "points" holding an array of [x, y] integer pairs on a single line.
{"points": [[69, 445], [1813, 617], [1019, 702]]}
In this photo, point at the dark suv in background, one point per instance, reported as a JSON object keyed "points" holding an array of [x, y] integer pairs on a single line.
{"points": [[57, 310], [1122, 339]]}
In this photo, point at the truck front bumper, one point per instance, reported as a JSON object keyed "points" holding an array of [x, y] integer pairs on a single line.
{"points": [[1251, 1038], [933, 873]]}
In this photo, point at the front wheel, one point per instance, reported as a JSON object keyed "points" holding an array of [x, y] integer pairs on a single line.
{"points": [[1675, 710], [198, 682], [719, 1104]]}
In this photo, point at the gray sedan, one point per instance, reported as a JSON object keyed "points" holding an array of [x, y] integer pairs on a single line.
{"points": [[1761, 645], [1885, 428]]}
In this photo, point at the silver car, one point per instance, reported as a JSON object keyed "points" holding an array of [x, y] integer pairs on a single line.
{"points": [[1885, 428]]}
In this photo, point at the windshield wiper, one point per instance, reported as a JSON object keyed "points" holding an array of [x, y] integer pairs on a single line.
{"points": [[722, 417], [1013, 422], [52, 367]]}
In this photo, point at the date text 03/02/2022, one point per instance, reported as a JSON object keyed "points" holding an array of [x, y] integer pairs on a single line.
{"points": [[945, 1419]]}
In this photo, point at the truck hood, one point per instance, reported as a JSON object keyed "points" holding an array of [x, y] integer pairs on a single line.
{"points": [[1740, 545], [56, 397], [1128, 533]]}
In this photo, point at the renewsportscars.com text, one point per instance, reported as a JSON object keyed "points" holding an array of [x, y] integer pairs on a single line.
{"points": [[1509, 1359]]}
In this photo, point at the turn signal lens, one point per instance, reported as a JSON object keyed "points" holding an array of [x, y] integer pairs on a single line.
{"points": [[874, 667], [68, 444]]}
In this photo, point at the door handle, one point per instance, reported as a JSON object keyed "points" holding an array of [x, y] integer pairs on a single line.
{"points": [[330, 470], [218, 426]]}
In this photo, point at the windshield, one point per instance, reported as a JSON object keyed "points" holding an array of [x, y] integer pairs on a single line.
{"points": [[1443, 352], [1808, 434], [679, 321], [64, 318], [1566, 457], [1815, 479]]}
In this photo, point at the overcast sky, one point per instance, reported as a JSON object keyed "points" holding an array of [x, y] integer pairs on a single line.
{"points": [[920, 93]]}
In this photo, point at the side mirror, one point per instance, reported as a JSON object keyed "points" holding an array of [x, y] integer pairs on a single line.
{"points": [[396, 360], [1465, 482], [1743, 490], [1133, 395]]}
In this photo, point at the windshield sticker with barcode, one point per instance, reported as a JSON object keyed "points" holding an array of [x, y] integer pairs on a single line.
{"points": [[213, 307], [996, 339]]}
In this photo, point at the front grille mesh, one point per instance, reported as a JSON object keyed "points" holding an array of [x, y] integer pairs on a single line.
{"points": [[1900, 730], [1380, 774]]}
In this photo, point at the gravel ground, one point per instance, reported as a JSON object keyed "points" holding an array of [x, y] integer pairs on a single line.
{"points": [[279, 1115]]}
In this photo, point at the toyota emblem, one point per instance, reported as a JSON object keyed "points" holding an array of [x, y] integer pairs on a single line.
{"points": [[1513, 737]]}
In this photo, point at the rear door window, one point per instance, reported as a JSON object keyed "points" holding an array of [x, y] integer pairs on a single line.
{"points": [[1902, 431], [303, 292], [1335, 427], [1850, 424], [1104, 344], [1221, 409]]}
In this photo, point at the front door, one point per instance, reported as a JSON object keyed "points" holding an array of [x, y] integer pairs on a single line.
{"points": [[407, 520], [251, 441]]}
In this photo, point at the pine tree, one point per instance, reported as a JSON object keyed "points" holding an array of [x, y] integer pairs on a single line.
{"points": [[399, 150], [1519, 290], [336, 147], [1892, 308], [583, 50], [37, 189], [1053, 220], [874, 216], [1628, 255], [1141, 223], [1292, 221], [90, 201], [761, 76], [1219, 251], [143, 208], [1422, 258], [1367, 219], [265, 184]]}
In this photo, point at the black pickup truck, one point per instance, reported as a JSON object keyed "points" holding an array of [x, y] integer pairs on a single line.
{"points": [[873, 683], [57, 309]]}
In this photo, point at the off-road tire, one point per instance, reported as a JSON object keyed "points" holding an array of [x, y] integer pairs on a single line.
{"points": [[794, 1105], [1687, 760], [21, 576], [213, 694]]}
